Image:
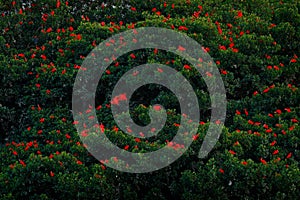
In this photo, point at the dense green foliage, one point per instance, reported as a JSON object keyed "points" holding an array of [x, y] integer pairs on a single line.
{"points": [[255, 45]]}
